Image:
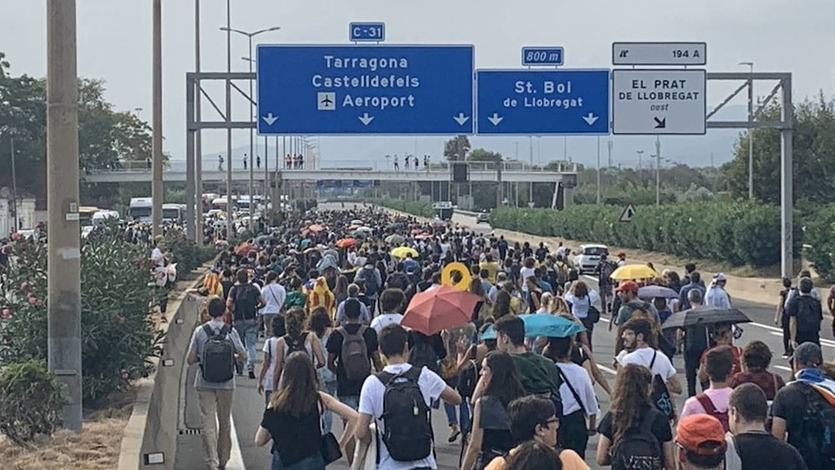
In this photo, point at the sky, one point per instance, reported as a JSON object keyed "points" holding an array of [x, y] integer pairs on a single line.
{"points": [[114, 44]]}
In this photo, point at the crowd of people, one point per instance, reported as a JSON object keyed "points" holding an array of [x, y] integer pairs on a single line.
{"points": [[328, 290]]}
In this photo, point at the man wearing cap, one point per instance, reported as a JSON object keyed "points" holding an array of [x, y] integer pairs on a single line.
{"points": [[801, 408], [716, 297], [628, 292], [700, 442]]}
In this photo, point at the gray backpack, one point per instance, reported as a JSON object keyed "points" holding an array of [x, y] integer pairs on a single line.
{"points": [[217, 363]]}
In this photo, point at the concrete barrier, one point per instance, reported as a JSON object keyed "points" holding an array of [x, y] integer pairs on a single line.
{"points": [[150, 438]]}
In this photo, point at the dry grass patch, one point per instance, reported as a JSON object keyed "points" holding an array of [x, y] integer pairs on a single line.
{"points": [[96, 447]]}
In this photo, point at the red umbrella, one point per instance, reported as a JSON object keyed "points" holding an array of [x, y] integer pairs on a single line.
{"points": [[316, 228], [439, 309], [244, 249], [346, 243]]}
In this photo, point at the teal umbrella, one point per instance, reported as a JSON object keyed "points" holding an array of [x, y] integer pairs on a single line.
{"points": [[489, 333], [551, 326]]}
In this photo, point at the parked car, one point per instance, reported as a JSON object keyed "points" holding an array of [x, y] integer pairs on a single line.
{"points": [[589, 257], [483, 216]]}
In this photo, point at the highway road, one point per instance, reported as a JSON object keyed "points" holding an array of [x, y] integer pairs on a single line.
{"points": [[248, 406]]}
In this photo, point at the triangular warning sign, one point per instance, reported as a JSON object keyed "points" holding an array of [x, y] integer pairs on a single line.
{"points": [[628, 213]]}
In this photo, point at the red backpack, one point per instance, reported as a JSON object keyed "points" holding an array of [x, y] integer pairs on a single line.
{"points": [[707, 404]]}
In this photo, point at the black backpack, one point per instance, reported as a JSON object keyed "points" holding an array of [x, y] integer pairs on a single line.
{"points": [[638, 449], [295, 344], [246, 302], [467, 379], [217, 362], [406, 418], [372, 287], [808, 316], [660, 394], [423, 354], [818, 447]]}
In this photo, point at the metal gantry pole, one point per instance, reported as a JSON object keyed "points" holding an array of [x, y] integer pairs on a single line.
{"points": [[251, 148], [198, 141], [530, 184], [657, 170], [14, 185], [598, 170], [229, 221], [190, 167], [64, 233], [157, 191], [786, 190]]}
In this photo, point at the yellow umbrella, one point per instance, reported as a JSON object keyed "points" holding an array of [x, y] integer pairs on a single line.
{"points": [[634, 271], [402, 251]]}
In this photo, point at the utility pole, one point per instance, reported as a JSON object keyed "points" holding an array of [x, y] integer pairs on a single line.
{"points": [[198, 144], [64, 235], [157, 191], [611, 145], [750, 130], [657, 170], [640, 160], [530, 184], [598, 170], [14, 184]]}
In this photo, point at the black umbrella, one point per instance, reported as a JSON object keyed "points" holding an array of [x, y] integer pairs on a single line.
{"points": [[705, 317]]}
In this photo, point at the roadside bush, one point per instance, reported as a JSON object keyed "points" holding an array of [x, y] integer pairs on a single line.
{"points": [[30, 401], [187, 254], [734, 233], [818, 236], [117, 335], [418, 208]]}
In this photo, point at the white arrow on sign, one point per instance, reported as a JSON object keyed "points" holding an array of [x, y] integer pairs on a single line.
{"points": [[495, 119], [365, 119], [461, 119], [591, 119], [269, 119]]}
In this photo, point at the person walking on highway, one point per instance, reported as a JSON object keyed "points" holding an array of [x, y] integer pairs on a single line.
{"points": [[214, 345], [630, 302], [716, 296], [695, 342], [274, 295], [582, 300], [604, 271], [243, 303], [700, 442], [805, 315], [781, 316]]}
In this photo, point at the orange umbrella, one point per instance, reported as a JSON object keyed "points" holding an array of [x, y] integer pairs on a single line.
{"points": [[316, 228], [439, 309], [346, 243], [244, 249]]}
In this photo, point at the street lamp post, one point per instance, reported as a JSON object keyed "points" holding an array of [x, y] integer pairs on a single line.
{"points": [[657, 170], [14, 185], [198, 143], [250, 35], [598, 170], [750, 130]]}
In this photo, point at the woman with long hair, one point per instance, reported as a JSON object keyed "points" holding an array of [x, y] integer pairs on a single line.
{"points": [[490, 435], [534, 294], [631, 408], [292, 421], [482, 308], [340, 290], [582, 299], [320, 325], [296, 339]]}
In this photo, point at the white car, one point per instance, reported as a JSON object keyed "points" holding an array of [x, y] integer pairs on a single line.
{"points": [[589, 257], [482, 217]]}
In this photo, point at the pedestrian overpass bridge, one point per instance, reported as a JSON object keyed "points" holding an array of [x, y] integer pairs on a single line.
{"points": [[478, 172]]}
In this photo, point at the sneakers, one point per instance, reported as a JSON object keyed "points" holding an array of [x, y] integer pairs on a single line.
{"points": [[251, 374]]}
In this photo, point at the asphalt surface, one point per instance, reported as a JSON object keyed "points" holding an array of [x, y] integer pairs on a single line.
{"points": [[248, 405]]}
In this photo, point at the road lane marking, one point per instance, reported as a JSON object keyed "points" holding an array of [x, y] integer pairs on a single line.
{"points": [[824, 342], [236, 459], [787, 369], [606, 369]]}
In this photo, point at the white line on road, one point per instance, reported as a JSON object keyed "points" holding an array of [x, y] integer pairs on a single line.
{"points": [[788, 369], [824, 342], [606, 369], [236, 459]]}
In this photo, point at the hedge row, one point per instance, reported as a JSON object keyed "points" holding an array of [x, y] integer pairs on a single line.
{"points": [[735, 233], [818, 235], [419, 208]]}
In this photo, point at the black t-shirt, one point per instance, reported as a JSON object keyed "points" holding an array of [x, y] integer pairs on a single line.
{"points": [[435, 340], [293, 438], [759, 451], [660, 426], [790, 405], [345, 387]]}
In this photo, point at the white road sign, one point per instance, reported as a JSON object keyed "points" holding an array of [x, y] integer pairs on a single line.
{"points": [[658, 102], [628, 213], [659, 53]]}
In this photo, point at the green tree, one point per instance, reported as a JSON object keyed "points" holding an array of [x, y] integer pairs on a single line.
{"points": [[482, 155], [457, 148], [813, 157]]}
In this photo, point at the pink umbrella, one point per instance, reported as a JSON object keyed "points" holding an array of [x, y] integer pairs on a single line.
{"points": [[439, 309]]}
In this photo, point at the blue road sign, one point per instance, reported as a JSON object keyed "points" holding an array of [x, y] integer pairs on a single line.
{"points": [[370, 32], [542, 102], [344, 89], [535, 56]]}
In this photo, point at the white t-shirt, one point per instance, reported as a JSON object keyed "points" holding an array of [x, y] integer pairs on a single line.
{"points": [[270, 347], [156, 255], [384, 320], [371, 403], [580, 380], [525, 273], [274, 295], [643, 357]]}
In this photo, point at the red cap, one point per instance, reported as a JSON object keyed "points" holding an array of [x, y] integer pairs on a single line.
{"points": [[627, 286], [621, 255], [701, 434]]}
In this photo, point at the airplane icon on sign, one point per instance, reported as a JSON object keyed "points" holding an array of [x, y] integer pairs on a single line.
{"points": [[326, 101]]}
